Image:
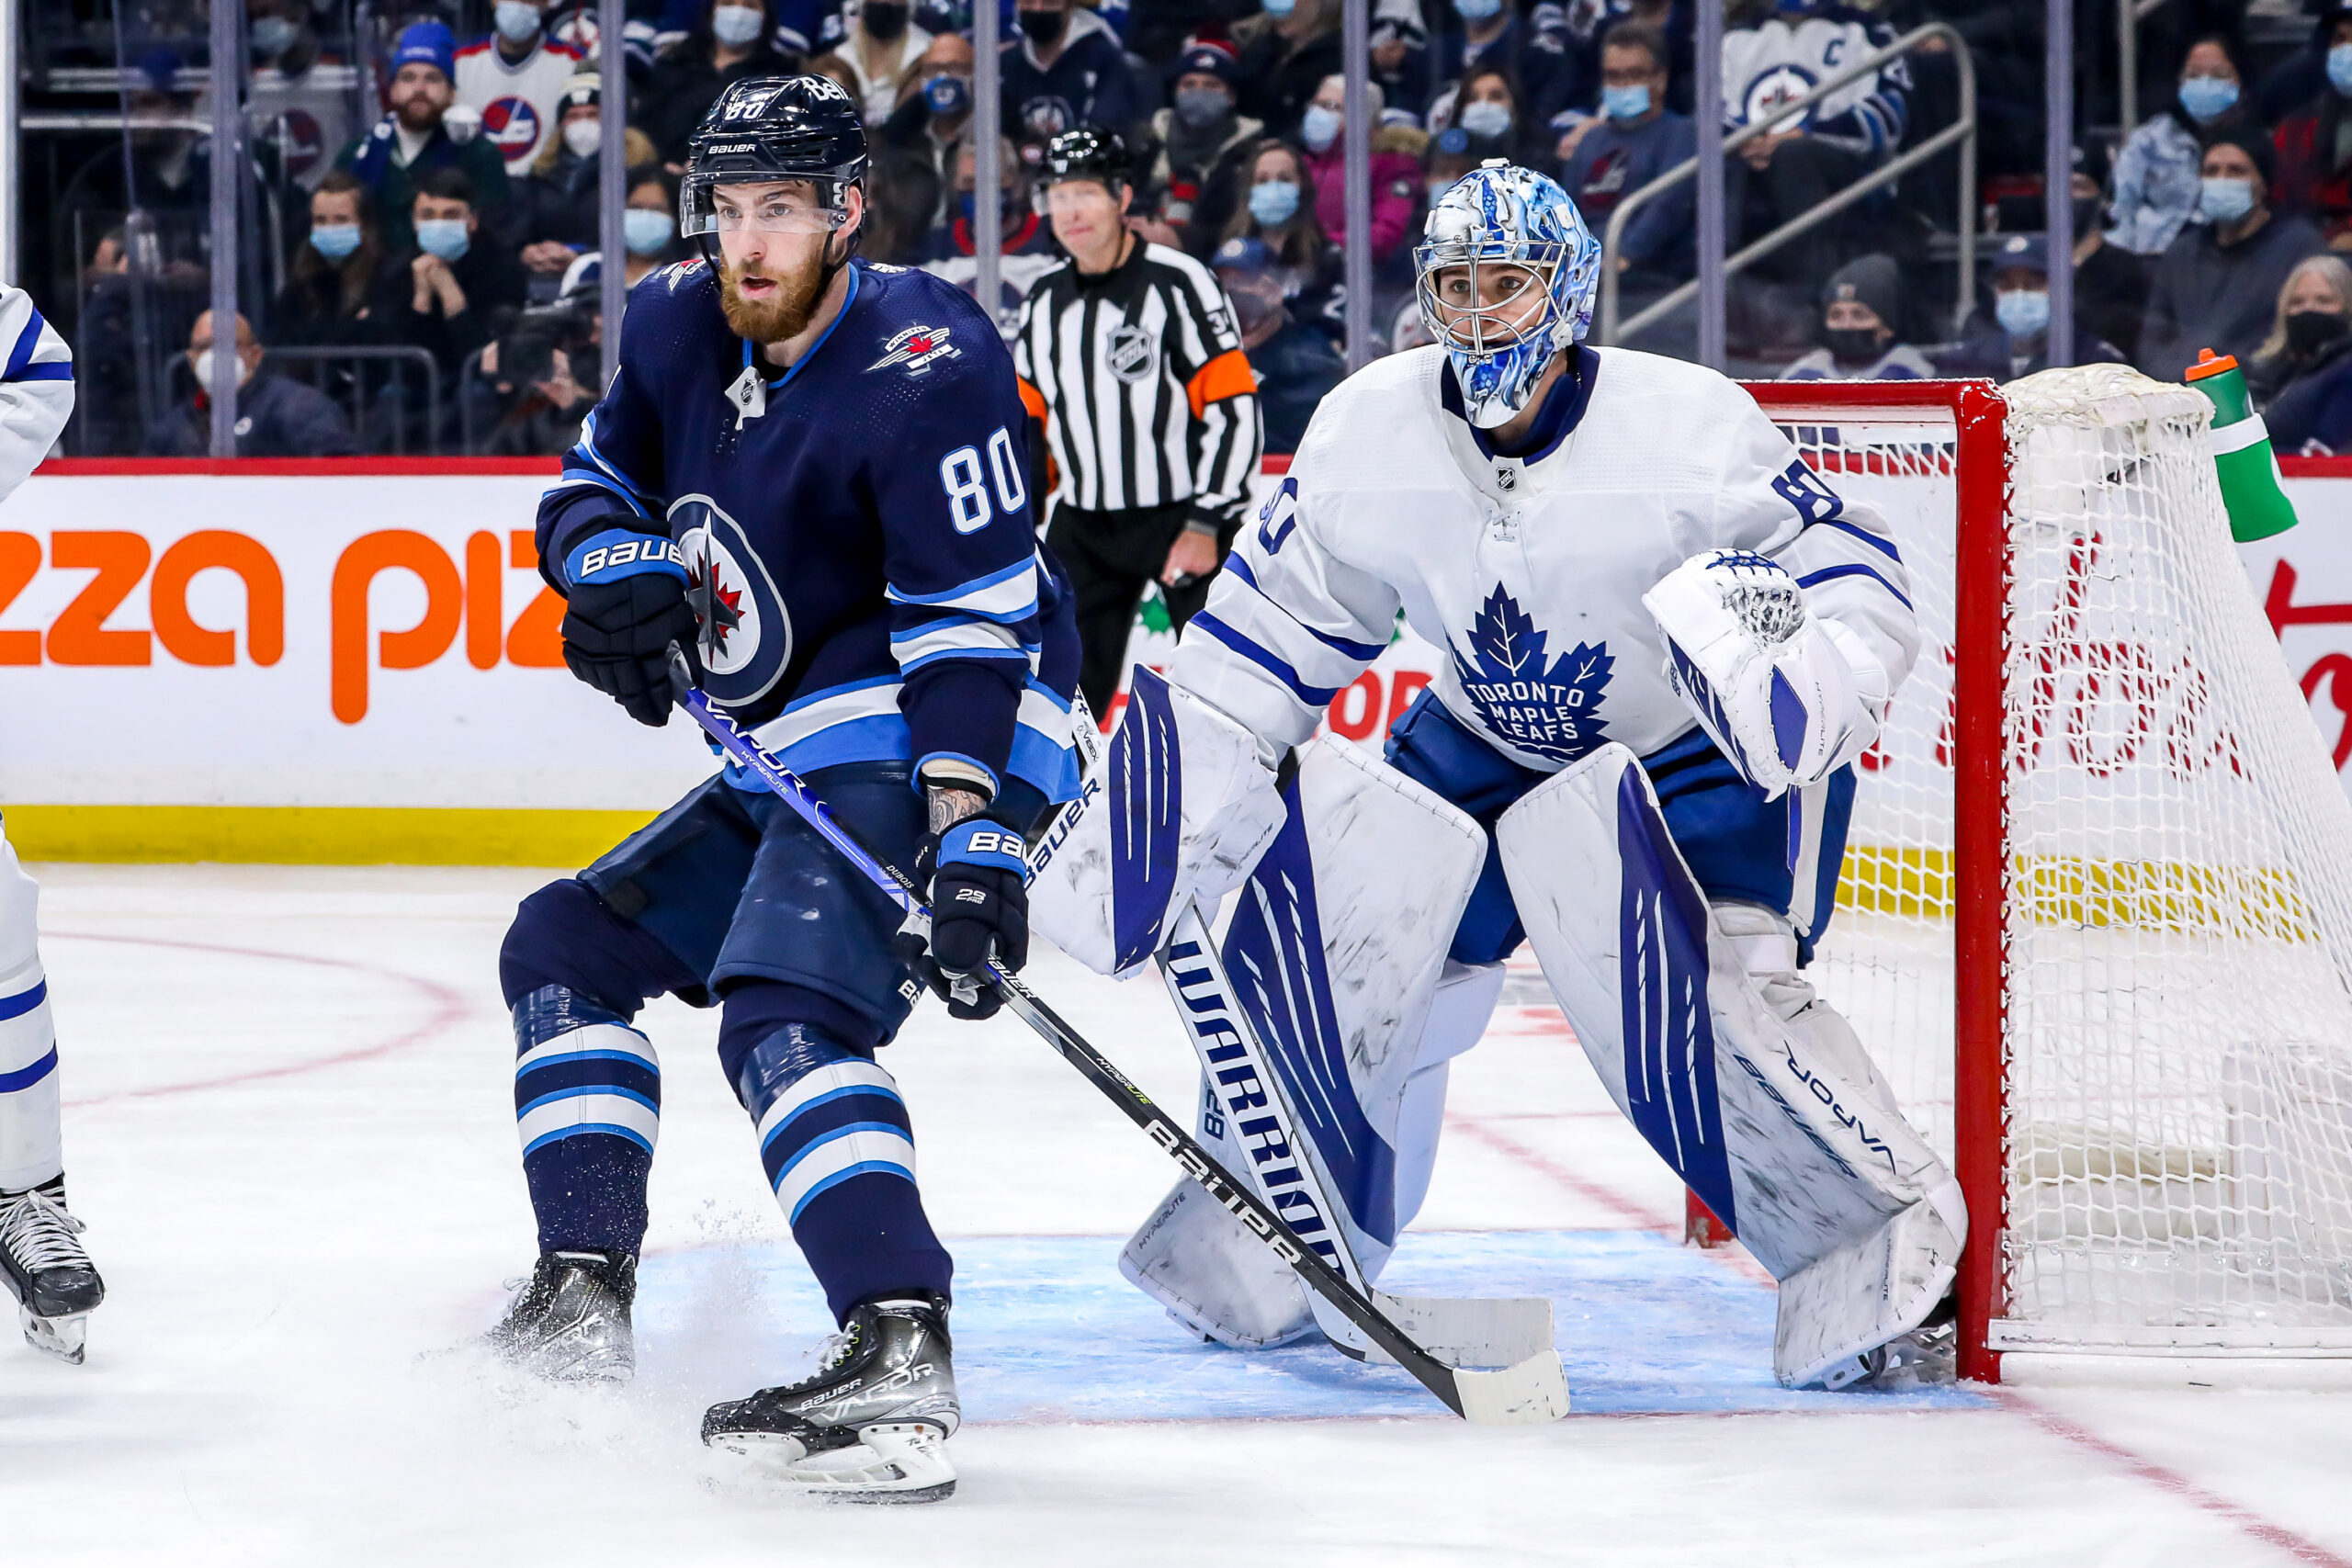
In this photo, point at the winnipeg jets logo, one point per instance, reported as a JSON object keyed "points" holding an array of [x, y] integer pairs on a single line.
{"points": [[745, 633], [1549, 710], [916, 348]]}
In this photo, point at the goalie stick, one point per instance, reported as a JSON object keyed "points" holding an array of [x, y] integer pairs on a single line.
{"points": [[1534, 1390], [1286, 1170]]}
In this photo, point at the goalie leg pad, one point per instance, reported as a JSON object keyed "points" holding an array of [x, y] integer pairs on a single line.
{"points": [[1173, 814], [1807, 1172], [1466, 995]]}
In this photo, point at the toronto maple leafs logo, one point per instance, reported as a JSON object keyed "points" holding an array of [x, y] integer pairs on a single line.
{"points": [[1549, 710]]}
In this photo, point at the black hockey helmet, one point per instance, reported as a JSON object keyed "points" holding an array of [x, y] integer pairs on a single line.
{"points": [[1089, 152], [774, 128]]}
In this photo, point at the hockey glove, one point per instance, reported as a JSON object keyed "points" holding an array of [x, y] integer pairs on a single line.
{"points": [[626, 609], [979, 910]]}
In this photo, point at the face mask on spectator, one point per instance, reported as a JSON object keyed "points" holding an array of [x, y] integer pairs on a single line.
{"points": [[2308, 332], [2224, 200], [517, 20], [1320, 127], [883, 22], [584, 137], [334, 241], [1278, 9], [1625, 103], [1043, 26], [443, 237], [1477, 10], [204, 370], [947, 95], [275, 35], [1851, 345], [1200, 107], [1273, 203], [2087, 213], [2023, 312], [645, 231], [736, 26], [2208, 98], [2339, 69], [1485, 118]]}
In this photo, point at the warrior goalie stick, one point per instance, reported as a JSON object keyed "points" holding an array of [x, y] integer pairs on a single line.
{"points": [[1533, 1391], [1286, 1173]]}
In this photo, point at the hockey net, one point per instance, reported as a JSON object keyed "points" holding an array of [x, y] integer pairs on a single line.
{"points": [[2095, 917]]}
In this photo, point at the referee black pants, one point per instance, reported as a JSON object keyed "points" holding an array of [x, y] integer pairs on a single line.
{"points": [[1110, 558]]}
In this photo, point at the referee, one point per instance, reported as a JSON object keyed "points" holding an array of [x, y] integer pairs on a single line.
{"points": [[1128, 355]]}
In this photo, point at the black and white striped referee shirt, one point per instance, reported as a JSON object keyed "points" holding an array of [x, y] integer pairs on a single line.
{"points": [[1139, 375]]}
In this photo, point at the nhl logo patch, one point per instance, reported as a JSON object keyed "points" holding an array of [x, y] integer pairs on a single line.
{"points": [[916, 348], [1130, 354]]}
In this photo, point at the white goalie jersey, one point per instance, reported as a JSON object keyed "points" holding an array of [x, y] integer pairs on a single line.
{"points": [[1530, 573]]}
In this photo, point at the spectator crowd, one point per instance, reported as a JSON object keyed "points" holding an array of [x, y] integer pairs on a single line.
{"points": [[434, 285]]}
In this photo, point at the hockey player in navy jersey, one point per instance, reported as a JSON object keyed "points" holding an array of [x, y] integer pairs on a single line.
{"points": [[810, 475]]}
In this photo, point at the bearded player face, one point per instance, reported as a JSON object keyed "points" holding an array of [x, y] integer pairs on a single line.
{"points": [[774, 241]]}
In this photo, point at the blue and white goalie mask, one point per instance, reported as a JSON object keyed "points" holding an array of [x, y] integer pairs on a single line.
{"points": [[1506, 272]]}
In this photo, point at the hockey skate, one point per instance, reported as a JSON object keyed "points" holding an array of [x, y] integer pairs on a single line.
{"points": [[46, 1269], [1924, 1355], [871, 1423], [571, 1322]]}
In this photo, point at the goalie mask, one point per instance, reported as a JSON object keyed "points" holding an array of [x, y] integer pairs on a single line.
{"points": [[1505, 273]]}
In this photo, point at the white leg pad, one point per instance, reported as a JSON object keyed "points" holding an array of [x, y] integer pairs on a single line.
{"points": [[1465, 999], [1214, 1277], [1842, 1201], [30, 1148]]}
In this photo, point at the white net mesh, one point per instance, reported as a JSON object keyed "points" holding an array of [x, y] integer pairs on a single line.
{"points": [[2178, 913]]}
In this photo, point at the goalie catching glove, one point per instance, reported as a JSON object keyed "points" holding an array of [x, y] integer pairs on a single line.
{"points": [[979, 910], [624, 610], [1788, 697]]}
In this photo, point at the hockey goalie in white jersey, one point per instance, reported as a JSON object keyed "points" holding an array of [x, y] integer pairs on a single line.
{"points": [[1669, 641]]}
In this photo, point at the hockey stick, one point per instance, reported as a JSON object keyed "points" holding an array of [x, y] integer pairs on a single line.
{"points": [[1533, 1391]]}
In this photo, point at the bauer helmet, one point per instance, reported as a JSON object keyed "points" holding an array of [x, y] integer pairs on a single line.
{"points": [[1501, 216], [1089, 152], [774, 128]]}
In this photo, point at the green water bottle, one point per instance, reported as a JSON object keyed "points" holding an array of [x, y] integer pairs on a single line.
{"points": [[2248, 469]]}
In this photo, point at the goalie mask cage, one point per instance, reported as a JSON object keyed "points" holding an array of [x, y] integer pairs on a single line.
{"points": [[2095, 917]]}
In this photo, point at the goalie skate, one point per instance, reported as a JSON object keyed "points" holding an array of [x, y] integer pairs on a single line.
{"points": [[46, 1271], [571, 1322], [870, 1424]]}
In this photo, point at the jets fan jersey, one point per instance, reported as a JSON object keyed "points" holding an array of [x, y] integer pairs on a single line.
{"points": [[856, 530], [1529, 572]]}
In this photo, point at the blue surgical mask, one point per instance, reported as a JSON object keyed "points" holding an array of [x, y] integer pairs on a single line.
{"points": [[443, 237], [272, 35], [1485, 118], [2023, 312], [1278, 9], [1320, 127], [2339, 69], [1275, 203], [2208, 98], [645, 231], [1625, 103], [947, 95], [517, 20], [1477, 10], [2224, 200], [334, 241], [736, 26], [1197, 108]]}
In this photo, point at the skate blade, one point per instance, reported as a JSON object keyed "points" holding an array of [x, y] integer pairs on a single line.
{"points": [[62, 1338], [896, 1463]]}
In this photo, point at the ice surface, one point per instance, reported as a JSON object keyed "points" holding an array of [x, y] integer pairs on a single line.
{"points": [[291, 1129]]}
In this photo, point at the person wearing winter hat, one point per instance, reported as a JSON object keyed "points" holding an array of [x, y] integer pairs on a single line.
{"points": [[1395, 168], [2215, 286], [1296, 364], [560, 202], [1204, 141], [412, 140], [1861, 317], [2014, 339]]}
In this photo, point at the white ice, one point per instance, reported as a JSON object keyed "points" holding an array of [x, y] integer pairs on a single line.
{"points": [[291, 1129]]}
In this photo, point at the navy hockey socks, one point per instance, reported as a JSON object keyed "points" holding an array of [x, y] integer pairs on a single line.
{"points": [[588, 1108]]}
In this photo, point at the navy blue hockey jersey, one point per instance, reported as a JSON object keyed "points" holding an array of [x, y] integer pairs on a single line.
{"points": [[857, 532]]}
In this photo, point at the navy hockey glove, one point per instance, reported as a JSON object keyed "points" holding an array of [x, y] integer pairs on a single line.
{"points": [[979, 910], [626, 609]]}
